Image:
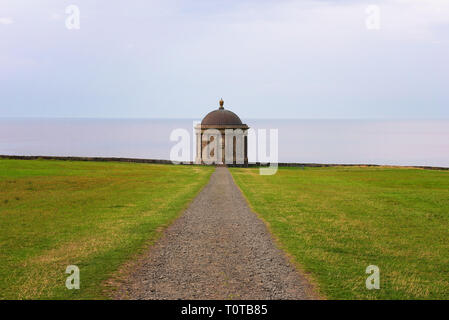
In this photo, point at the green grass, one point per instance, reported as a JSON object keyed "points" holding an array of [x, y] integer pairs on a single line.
{"points": [[334, 222], [96, 215]]}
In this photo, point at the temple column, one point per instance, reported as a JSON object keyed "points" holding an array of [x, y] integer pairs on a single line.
{"points": [[245, 154], [198, 158]]}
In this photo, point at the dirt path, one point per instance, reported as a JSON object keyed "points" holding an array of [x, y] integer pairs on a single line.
{"points": [[218, 249]]}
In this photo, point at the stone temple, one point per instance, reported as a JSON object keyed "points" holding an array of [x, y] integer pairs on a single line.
{"points": [[221, 138]]}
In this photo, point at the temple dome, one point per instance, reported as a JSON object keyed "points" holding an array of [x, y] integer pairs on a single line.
{"points": [[221, 117]]}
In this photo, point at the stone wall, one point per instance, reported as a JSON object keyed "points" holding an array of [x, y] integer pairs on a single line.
{"points": [[251, 164]]}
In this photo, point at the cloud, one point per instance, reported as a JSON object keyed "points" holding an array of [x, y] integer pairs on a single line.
{"points": [[309, 58], [6, 20]]}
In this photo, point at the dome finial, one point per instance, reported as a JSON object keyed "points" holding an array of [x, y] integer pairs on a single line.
{"points": [[221, 103]]}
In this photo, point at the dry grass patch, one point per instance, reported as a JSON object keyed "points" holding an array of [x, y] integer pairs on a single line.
{"points": [[91, 214]]}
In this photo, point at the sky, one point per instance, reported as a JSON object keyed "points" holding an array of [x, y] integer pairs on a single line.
{"points": [[267, 59]]}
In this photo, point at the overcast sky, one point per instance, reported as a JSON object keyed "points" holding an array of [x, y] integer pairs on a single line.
{"points": [[267, 59]]}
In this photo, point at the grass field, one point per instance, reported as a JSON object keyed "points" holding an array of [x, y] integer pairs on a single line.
{"points": [[91, 214], [334, 222]]}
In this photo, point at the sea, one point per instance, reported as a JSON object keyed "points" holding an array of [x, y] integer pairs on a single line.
{"points": [[352, 141]]}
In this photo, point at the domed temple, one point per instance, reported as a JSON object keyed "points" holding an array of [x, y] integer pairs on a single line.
{"points": [[221, 138]]}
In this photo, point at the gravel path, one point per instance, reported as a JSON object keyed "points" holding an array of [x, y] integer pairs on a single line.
{"points": [[218, 249]]}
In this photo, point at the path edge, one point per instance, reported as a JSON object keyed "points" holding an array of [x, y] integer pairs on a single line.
{"points": [[312, 286], [112, 284]]}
